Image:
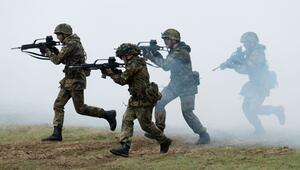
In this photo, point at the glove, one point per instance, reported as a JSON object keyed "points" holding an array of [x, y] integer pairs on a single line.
{"points": [[107, 71], [223, 66], [43, 50], [54, 50]]}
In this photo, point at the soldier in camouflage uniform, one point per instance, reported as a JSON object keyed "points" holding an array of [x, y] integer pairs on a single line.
{"points": [[253, 63], [183, 83], [74, 82], [144, 95]]}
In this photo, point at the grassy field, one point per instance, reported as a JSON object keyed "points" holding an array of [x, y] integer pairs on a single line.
{"points": [[88, 148]]}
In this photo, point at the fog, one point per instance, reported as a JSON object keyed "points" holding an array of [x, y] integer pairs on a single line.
{"points": [[212, 28]]}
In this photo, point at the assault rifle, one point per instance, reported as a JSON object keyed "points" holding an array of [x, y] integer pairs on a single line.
{"points": [[112, 64], [236, 58], [37, 44], [151, 47]]}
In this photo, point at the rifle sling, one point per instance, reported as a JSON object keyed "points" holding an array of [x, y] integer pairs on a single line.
{"points": [[152, 65], [36, 55]]}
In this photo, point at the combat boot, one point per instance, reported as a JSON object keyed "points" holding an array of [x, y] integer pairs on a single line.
{"points": [[204, 138], [164, 147], [123, 150], [148, 135], [56, 135], [110, 116]]}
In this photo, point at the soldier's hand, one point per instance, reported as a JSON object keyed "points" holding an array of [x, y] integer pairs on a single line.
{"points": [[223, 66], [109, 72], [54, 50], [43, 50]]}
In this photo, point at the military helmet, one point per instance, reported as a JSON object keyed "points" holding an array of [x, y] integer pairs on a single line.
{"points": [[172, 34], [127, 49], [249, 37], [63, 28]]}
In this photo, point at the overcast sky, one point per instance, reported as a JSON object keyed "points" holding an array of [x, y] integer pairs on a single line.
{"points": [[212, 28]]}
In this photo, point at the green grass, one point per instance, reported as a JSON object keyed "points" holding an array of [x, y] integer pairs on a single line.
{"points": [[88, 148]]}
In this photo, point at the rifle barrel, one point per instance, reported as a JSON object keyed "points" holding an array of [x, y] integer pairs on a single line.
{"points": [[216, 68], [15, 48]]}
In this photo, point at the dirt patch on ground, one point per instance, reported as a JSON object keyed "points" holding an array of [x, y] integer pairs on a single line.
{"points": [[79, 154]]}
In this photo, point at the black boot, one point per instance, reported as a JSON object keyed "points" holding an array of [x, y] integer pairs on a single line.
{"points": [[110, 116], [56, 135], [164, 147], [148, 135], [123, 150], [204, 138]]}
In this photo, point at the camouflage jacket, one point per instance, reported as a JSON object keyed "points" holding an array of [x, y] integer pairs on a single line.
{"points": [[254, 64], [136, 76], [72, 53], [261, 80], [178, 62]]}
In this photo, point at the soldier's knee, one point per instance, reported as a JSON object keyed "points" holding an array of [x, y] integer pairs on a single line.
{"points": [[160, 107], [249, 108], [146, 127], [187, 111], [80, 109]]}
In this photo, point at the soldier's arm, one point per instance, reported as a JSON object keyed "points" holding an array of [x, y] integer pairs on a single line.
{"points": [[176, 59], [242, 69], [65, 51], [156, 58], [123, 78], [257, 59]]}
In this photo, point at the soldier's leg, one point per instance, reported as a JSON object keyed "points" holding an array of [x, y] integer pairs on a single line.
{"points": [[144, 116], [127, 125], [160, 113], [187, 107], [278, 111], [126, 133], [60, 102], [251, 107], [81, 108]]}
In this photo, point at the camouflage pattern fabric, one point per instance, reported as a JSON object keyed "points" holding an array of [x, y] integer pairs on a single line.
{"points": [[72, 53], [144, 117], [261, 81], [136, 76], [74, 82], [78, 101], [178, 62], [187, 107], [183, 84]]}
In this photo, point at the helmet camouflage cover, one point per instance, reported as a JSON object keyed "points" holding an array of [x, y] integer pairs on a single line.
{"points": [[63, 28], [172, 34], [249, 37], [127, 49]]}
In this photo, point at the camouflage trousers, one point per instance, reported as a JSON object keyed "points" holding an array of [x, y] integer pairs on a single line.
{"points": [[187, 107], [78, 101], [253, 107], [144, 116]]}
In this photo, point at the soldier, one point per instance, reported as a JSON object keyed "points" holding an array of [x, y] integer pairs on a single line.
{"points": [[183, 83], [253, 63], [144, 95], [74, 82]]}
